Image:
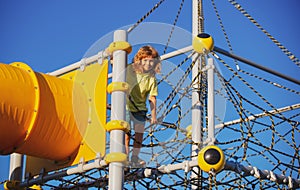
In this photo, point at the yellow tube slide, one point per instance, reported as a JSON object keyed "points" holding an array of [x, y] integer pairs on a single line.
{"points": [[36, 116]]}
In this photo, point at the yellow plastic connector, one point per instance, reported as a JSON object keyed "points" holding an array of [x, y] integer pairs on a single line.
{"points": [[203, 43], [117, 125], [116, 157], [36, 187], [120, 45], [211, 159], [117, 86], [188, 131]]}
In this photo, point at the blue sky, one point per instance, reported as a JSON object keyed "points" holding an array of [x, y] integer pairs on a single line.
{"points": [[48, 35]]}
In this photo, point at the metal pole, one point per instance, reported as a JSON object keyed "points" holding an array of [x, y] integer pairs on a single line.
{"points": [[196, 121], [260, 115], [16, 167], [262, 174], [196, 105], [118, 100], [176, 52], [87, 61], [259, 66], [210, 102]]}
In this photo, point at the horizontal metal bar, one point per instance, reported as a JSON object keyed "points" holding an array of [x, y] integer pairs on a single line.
{"points": [[260, 115], [176, 52], [262, 174], [103, 55], [251, 63], [78, 64]]}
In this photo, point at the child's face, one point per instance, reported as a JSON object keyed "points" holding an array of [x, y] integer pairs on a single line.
{"points": [[147, 64]]}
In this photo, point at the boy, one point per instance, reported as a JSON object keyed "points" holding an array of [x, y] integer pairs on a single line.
{"points": [[143, 85]]}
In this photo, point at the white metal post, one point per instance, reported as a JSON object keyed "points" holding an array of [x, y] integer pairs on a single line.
{"points": [[210, 101], [118, 101], [196, 109], [196, 104], [16, 167]]}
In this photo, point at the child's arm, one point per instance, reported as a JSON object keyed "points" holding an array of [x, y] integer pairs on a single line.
{"points": [[152, 101]]}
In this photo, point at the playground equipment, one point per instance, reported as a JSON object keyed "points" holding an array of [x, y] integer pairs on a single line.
{"points": [[39, 112], [216, 158]]}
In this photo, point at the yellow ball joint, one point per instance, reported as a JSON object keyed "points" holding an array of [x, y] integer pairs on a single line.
{"points": [[211, 159], [203, 43]]}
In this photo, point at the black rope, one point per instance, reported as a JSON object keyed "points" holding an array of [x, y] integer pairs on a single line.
{"points": [[145, 16], [290, 55], [174, 24]]}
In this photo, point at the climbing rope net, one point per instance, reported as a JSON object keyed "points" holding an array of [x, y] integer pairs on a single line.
{"points": [[260, 137]]}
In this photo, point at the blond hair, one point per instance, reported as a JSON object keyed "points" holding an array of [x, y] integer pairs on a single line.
{"points": [[144, 52]]}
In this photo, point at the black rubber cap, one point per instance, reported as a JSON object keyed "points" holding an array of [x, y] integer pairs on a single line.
{"points": [[212, 156]]}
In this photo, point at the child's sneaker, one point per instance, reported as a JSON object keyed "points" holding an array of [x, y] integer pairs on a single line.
{"points": [[137, 162]]}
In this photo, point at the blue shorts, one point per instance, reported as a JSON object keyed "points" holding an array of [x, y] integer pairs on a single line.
{"points": [[136, 117]]}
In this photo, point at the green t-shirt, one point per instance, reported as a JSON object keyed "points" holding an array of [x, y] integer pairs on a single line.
{"points": [[141, 86]]}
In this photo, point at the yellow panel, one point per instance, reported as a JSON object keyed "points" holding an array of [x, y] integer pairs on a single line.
{"points": [[89, 114], [55, 121], [94, 81]]}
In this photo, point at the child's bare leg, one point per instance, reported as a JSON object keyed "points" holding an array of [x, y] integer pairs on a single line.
{"points": [[138, 140], [127, 140]]}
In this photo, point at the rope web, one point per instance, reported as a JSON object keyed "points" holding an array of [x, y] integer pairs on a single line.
{"points": [[260, 131], [271, 140]]}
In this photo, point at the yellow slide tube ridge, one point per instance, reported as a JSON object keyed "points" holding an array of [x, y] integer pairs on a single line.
{"points": [[36, 114]]}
